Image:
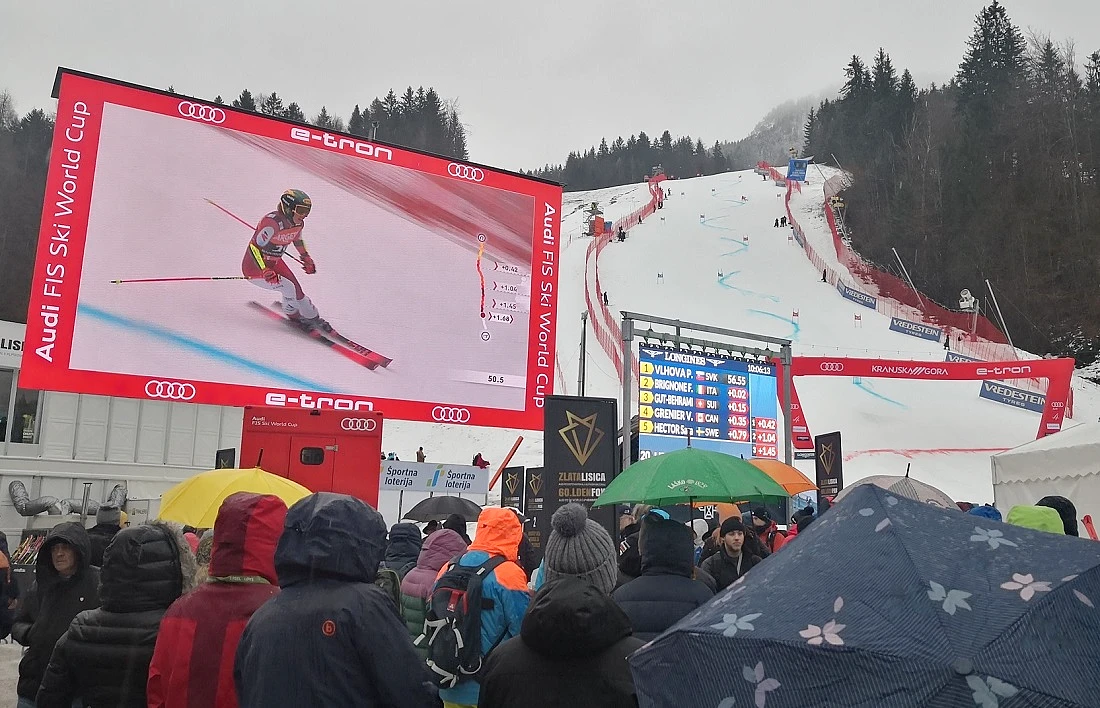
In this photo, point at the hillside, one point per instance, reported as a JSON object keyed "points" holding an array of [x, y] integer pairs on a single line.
{"points": [[943, 429]]}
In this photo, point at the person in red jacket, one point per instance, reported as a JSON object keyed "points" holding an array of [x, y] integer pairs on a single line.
{"points": [[767, 530], [193, 660]]}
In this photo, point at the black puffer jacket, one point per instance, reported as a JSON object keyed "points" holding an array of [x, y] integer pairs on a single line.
{"points": [[665, 591], [51, 604], [104, 657], [330, 637], [571, 651], [403, 548]]}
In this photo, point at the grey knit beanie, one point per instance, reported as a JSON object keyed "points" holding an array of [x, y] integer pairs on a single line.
{"points": [[581, 548]]}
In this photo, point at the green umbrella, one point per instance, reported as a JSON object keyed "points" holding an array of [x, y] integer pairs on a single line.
{"points": [[691, 475]]}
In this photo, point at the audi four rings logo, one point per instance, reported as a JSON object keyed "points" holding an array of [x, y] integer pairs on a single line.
{"points": [[366, 424], [474, 174], [832, 366], [443, 414], [197, 111], [171, 390]]}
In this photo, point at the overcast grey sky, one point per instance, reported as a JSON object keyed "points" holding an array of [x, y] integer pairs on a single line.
{"points": [[533, 80]]}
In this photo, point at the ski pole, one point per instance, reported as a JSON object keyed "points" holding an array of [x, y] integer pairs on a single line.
{"points": [[225, 211], [176, 280]]}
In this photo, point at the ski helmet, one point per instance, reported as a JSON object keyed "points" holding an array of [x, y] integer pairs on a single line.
{"points": [[296, 202]]}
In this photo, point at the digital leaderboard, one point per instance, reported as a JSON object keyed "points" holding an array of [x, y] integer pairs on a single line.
{"points": [[718, 403]]}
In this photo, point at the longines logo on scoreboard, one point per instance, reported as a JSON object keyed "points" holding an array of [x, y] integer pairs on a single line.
{"points": [[579, 452]]}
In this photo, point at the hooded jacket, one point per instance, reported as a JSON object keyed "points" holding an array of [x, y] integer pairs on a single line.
{"points": [[440, 548], [104, 656], [1040, 518], [1066, 510], [665, 591], [330, 637], [51, 604], [571, 651], [192, 666], [403, 548], [498, 534]]}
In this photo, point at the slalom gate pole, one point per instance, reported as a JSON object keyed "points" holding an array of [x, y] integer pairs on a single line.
{"points": [[500, 470], [177, 280]]}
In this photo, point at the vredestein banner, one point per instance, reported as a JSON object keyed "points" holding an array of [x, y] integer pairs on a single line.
{"points": [[579, 454], [830, 466]]}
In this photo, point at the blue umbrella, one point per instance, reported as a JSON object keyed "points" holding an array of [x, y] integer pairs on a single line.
{"points": [[886, 602]]}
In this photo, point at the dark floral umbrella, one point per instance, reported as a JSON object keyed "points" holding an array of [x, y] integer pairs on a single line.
{"points": [[884, 602]]}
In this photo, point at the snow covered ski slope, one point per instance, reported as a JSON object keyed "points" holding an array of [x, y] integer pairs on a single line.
{"points": [[943, 429]]}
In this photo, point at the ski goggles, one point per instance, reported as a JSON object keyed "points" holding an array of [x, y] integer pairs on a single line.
{"points": [[302, 210]]}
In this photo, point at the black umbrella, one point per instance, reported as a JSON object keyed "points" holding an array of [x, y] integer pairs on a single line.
{"points": [[887, 602], [439, 508]]}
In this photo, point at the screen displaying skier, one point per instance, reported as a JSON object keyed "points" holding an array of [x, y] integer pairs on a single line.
{"points": [[194, 252]]}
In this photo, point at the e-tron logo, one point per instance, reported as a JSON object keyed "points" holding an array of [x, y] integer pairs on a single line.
{"points": [[171, 390], [198, 111], [364, 424], [832, 366], [474, 174], [443, 414]]}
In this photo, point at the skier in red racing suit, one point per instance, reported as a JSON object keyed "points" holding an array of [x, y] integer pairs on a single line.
{"points": [[263, 261]]}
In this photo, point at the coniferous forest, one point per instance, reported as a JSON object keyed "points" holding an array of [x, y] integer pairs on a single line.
{"points": [[994, 175], [634, 159], [418, 119]]}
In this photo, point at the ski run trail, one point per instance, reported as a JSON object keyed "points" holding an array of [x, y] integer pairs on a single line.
{"points": [[942, 429]]}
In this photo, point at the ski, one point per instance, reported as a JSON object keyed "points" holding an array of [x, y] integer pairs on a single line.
{"points": [[321, 338], [355, 346]]}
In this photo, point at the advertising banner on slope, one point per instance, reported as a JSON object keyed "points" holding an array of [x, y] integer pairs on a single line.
{"points": [[952, 356], [1011, 396], [514, 487], [796, 169], [538, 509], [916, 329], [857, 296], [830, 466], [433, 477], [1056, 371], [579, 454], [465, 309]]}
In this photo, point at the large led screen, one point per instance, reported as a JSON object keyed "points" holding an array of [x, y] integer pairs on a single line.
{"points": [[178, 236], [706, 400]]}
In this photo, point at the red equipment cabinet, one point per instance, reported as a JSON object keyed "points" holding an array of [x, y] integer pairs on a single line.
{"points": [[323, 450]]}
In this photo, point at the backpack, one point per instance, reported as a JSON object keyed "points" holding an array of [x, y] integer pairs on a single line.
{"points": [[452, 623], [390, 582]]}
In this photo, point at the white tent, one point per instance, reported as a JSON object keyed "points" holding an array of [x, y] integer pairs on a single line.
{"points": [[1066, 464]]}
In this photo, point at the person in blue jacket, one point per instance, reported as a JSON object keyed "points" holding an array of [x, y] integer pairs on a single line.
{"points": [[330, 637], [498, 534]]}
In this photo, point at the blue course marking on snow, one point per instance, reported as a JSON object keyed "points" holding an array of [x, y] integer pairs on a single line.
{"points": [[866, 387], [794, 332], [199, 347]]}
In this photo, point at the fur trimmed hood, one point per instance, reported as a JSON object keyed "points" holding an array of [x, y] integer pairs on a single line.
{"points": [[146, 567]]}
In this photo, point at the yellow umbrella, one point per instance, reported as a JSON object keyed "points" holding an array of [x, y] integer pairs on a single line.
{"points": [[196, 501], [786, 476]]}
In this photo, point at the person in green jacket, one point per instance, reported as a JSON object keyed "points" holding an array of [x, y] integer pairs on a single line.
{"points": [[416, 587]]}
